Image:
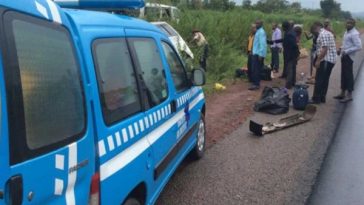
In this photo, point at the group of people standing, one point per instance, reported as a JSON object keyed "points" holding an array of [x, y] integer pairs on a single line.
{"points": [[324, 55], [257, 51]]}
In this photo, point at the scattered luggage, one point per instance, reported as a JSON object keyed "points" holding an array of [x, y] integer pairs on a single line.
{"points": [[241, 72], [273, 101], [266, 73], [300, 97]]}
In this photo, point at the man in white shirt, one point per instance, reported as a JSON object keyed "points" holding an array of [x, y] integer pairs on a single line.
{"points": [[351, 45], [276, 48]]}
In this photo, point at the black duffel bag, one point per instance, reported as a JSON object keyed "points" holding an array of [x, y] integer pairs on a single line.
{"points": [[274, 101], [266, 73]]}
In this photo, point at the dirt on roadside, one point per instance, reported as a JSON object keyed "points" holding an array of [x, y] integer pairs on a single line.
{"points": [[227, 110]]}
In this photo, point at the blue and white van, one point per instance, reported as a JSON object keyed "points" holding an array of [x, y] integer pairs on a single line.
{"points": [[96, 108]]}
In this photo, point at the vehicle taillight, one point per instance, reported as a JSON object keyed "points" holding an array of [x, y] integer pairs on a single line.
{"points": [[95, 190]]}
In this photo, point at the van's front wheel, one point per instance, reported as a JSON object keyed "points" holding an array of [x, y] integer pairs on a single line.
{"points": [[132, 201], [199, 150]]}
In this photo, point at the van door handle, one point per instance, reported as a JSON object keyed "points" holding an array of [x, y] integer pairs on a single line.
{"points": [[174, 106], [15, 190]]}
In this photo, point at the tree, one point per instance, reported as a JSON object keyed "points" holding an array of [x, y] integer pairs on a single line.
{"points": [[330, 8], [296, 6], [271, 5], [196, 4], [346, 14], [247, 4], [221, 4]]}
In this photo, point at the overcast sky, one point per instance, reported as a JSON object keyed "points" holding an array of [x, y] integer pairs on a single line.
{"points": [[348, 5]]}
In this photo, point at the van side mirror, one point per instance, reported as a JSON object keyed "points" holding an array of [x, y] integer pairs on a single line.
{"points": [[198, 77]]}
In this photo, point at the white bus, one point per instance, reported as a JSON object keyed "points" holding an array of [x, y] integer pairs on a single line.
{"points": [[159, 11]]}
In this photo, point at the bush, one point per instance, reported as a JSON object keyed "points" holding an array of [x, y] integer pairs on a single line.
{"points": [[227, 34]]}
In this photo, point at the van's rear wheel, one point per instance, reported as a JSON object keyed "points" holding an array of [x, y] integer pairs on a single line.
{"points": [[132, 201], [199, 150]]}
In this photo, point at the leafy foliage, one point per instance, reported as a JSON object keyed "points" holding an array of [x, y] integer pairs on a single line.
{"points": [[332, 9], [220, 4], [271, 5], [247, 4], [227, 34]]}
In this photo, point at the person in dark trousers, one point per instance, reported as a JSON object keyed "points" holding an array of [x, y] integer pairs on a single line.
{"points": [[276, 48], [326, 59], [351, 45], [313, 50], [250, 50], [284, 72], [259, 53], [290, 53]]}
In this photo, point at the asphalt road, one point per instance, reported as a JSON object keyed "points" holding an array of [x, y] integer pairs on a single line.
{"points": [[280, 168], [341, 180]]}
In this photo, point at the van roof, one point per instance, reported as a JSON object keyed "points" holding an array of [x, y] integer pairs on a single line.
{"points": [[41, 8], [96, 18], [101, 4], [45, 9]]}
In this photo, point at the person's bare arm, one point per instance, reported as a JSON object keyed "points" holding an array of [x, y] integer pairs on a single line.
{"points": [[308, 36], [321, 56]]}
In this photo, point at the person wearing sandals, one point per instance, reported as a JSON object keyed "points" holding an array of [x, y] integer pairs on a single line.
{"points": [[351, 45]]}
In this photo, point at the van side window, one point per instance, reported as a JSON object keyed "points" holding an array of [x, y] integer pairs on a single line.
{"points": [[149, 61], [44, 90], [116, 79], [177, 70]]}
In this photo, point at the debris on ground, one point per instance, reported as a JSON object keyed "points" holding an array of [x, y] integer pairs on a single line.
{"points": [[297, 119], [219, 86]]}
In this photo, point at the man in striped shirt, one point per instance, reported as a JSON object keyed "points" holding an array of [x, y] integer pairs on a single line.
{"points": [[326, 59]]}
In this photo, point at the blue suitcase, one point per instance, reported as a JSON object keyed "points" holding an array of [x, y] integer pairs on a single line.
{"points": [[300, 97]]}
